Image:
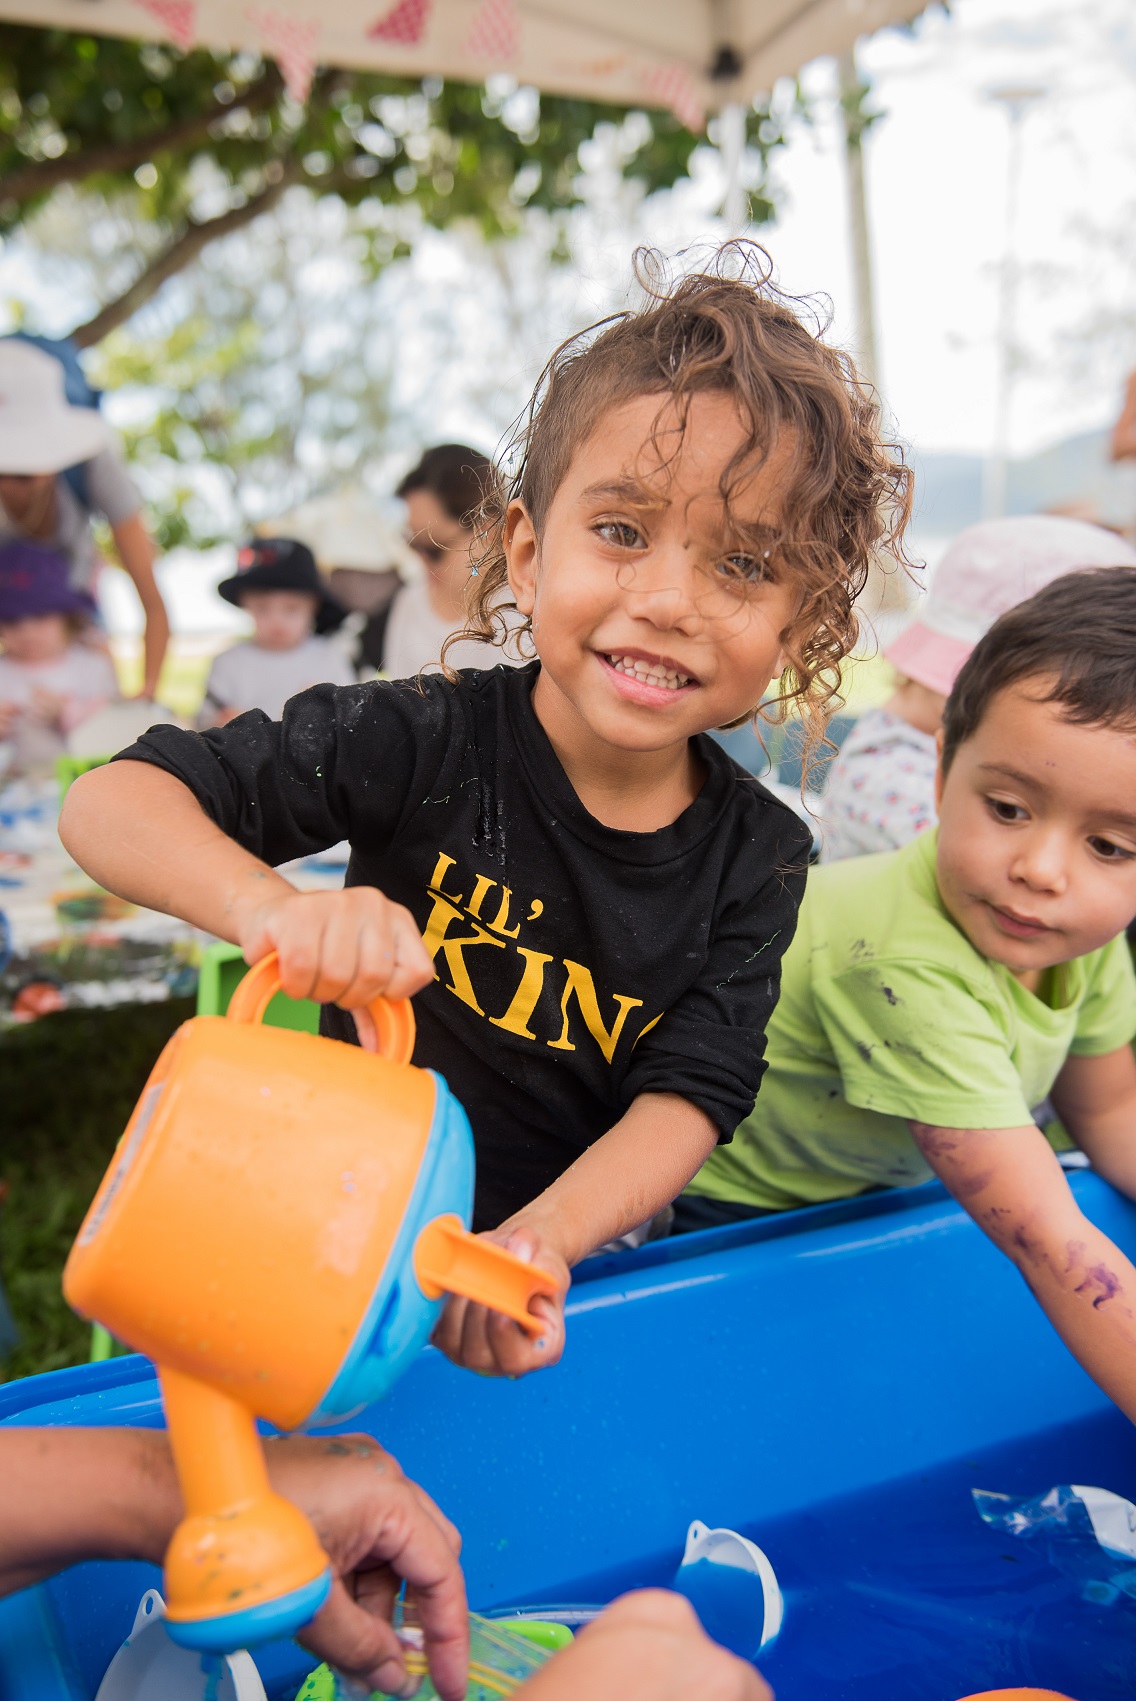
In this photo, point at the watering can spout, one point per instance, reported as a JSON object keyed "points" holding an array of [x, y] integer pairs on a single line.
{"points": [[448, 1259]]}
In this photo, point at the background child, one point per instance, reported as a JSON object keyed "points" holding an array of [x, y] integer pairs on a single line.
{"points": [[880, 791], [605, 897], [278, 585], [933, 995], [49, 680]]}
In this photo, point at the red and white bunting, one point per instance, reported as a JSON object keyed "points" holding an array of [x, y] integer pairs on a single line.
{"points": [[292, 42], [177, 17], [404, 24], [672, 85], [495, 34]]}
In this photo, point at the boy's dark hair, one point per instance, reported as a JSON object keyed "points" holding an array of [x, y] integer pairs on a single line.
{"points": [[727, 329], [1079, 633], [459, 477]]}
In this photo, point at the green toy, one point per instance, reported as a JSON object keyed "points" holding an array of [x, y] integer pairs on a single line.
{"points": [[501, 1657]]}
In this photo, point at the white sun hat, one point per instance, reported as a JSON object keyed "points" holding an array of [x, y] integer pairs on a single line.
{"points": [[989, 569], [40, 432]]}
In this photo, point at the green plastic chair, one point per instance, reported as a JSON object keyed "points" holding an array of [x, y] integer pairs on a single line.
{"points": [[222, 969], [68, 769]]}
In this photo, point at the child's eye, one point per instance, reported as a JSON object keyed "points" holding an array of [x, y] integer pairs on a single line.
{"points": [[746, 568], [620, 533], [1110, 852], [1004, 811]]}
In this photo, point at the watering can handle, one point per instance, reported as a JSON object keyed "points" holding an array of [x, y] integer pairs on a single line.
{"points": [[393, 1017], [448, 1259]]}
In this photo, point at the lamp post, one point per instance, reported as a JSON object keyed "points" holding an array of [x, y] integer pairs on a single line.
{"points": [[1016, 101]]}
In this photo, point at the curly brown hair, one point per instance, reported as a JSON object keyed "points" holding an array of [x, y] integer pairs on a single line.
{"points": [[725, 328]]}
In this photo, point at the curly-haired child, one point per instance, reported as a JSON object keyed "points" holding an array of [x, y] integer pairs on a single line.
{"points": [[590, 898]]}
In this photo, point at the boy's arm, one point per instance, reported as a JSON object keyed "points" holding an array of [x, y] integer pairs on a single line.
{"points": [[1011, 1183], [1095, 1097], [622, 1180], [143, 835]]}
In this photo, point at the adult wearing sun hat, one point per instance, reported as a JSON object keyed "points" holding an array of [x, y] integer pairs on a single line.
{"points": [[881, 787], [43, 439]]}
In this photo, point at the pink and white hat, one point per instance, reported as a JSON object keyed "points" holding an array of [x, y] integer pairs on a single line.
{"points": [[988, 569]]}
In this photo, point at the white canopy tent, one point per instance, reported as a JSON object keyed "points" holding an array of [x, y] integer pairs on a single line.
{"points": [[693, 56]]}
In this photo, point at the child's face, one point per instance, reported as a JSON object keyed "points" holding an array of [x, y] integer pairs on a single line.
{"points": [[650, 620], [1037, 835], [39, 638], [282, 619]]}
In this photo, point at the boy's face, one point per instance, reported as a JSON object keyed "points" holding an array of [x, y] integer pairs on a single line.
{"points": [[282, 619], [651, 621], [1037, 834], [39, 638]]}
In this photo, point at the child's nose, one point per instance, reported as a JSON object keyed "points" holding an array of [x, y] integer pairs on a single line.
{"points": [[661, 590], [1042, 861]]}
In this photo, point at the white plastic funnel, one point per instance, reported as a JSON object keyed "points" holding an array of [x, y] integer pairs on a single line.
{"points": [[149, 1667]]}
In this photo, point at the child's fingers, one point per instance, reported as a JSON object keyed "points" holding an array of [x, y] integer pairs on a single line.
{"points": [[516, 1352], [447, 1331], [414, 967]]}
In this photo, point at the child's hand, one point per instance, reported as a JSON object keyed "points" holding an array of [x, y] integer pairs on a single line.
{"points": [[338, 947], [483, 1340], [9, 715], [646, 1647], [48, 707]]}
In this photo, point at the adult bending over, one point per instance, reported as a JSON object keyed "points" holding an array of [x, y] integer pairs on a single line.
{"points": [[58, 470]]}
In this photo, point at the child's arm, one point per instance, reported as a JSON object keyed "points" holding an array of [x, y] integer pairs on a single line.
{"points": [[628, 1175], [1011, 1183], [77, 1494], [1095, 1097], [142, 834]]}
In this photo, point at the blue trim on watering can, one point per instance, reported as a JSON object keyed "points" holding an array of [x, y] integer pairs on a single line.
{"points": [[228, 1631], [398, 1321]]}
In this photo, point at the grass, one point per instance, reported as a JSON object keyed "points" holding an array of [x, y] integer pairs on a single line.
{"points": [[68, 1084]]}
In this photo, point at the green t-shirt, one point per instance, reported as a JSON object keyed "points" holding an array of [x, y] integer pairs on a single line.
{"points": [[888, 1013]]}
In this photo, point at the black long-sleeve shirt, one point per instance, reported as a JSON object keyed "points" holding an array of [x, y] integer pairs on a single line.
{"points": [[577, 965]]}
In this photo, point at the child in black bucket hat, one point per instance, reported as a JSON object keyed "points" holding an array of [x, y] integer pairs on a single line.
{"points": [[278, 584]]}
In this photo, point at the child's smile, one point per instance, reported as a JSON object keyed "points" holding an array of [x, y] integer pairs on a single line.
{"points": [[1037, 838], [644, 678], [656, 615]]}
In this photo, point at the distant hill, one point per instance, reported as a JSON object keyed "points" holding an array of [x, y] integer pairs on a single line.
{"points": [[1074, 473]]}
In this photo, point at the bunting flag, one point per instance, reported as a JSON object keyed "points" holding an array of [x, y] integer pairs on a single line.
{"points": [[672, 85], [404, 24], [291, 41], [177, 17], [495, 33]]}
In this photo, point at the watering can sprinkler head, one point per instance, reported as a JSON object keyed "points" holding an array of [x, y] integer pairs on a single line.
{"points": [[277, 1231]]}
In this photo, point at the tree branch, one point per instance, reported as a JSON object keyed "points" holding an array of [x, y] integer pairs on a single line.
{"points": [[181, 252], [39, 177]]}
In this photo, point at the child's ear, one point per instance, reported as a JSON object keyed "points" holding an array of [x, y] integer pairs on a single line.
{"points": [[522, 552], [939, 775]]}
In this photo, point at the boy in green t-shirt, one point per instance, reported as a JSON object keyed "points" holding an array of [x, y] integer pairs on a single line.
{"points": [[933, 995]]}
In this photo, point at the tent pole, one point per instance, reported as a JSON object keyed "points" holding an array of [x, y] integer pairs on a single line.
{"points": [[731, 144], [851, 96]]}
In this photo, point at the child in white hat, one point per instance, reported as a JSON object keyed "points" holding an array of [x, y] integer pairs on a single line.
{"points": [[881, 788]]}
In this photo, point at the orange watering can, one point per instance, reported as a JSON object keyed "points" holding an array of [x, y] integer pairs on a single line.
{"points": [[280, 1223]]}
